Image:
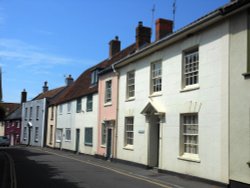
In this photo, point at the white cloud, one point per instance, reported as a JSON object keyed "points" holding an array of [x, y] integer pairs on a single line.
{"points": [[13, 51]]}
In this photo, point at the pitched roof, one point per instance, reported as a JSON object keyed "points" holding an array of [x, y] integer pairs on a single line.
{"points": [[82, 85], [49, 94], [16, 114], [9, 107]]}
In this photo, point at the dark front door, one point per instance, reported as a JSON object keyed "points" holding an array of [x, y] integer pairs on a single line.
{"points": [[109, 144], [77, 140]]}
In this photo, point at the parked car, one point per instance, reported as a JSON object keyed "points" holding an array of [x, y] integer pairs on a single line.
{"points": [[4, 141]]}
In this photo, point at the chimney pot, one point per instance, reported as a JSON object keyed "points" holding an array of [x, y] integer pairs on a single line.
{"points": [[114, 47], [164, 27], [23, 96], [69, 80], [45, 87], [143, 35]]}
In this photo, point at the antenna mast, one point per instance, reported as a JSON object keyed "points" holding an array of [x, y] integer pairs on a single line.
{"points": [[174, 11], [153, 15]]}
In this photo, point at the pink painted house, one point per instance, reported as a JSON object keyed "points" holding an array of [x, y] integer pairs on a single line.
{"points": [[108, 97]]}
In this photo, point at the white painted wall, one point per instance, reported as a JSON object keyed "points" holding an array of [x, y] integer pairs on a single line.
{"points": [[239, 101], [210, 101], [80, 121]]}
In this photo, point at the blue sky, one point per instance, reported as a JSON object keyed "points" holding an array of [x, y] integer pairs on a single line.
{"points": [[44, 40]]}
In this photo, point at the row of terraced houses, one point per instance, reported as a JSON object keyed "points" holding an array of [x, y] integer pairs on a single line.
{"points": [[180, 103]]}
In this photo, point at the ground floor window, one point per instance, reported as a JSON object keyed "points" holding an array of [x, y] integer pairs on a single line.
{"points": [[129, 131], [51, 134], [68, 134], [36, 134], [189, 133], [25, 133], [58, 135], [88, 137], [104, 133]]}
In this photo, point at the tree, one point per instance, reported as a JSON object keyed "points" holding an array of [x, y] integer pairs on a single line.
{"points": [[2, 113]]}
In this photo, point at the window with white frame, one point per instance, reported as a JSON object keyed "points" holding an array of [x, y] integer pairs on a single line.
{"points": [[58, 135], [108, 91], [79, 105], [129, 131], [88, 138], [156, 74], [37, 112], [191, 67], [67, 134], [94, 77], [104, 134], [189, 134], [18, 124], [69, 107], [60, 109], [130, 84], [89, 104], [36, 134], [25, 133]]}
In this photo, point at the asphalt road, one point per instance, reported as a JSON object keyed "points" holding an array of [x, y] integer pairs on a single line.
{"points": [[39, 169]]}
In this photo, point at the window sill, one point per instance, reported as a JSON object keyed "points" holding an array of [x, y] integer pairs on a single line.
{"points": [[108, 104], [129, 147], [67, 140], [130, 99], [89, 110], [155, 94], [246, 75], [190, 88], [90, 145], [190, 157], [58, 141], [103, 146]]}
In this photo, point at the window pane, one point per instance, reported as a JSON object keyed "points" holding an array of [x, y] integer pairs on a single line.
{"points": [[129, 130], [88, 136], [156, 74]]}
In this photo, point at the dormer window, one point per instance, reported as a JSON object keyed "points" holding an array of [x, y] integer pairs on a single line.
{"points": [[94, 77]]}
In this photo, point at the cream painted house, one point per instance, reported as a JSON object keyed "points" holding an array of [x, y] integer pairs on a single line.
{"points": [[189, 111]]}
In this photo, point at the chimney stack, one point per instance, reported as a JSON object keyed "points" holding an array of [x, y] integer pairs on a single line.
{"points": [[114, 47], [143, 35], [69, 80], [163, 28], [45, 87], [23, 96]]}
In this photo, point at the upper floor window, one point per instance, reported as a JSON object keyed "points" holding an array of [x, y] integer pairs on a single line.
{"points": [[108, 91], [37, 112], [60, 109], [89, 104], [69, 107], [156, 74], [31, 113], [130, 84], [78, 105], [26, 113], [191, 67], [52, 113], [94, 77]]}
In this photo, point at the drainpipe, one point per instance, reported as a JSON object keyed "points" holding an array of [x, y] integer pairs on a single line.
{"points": [[117, 109]]}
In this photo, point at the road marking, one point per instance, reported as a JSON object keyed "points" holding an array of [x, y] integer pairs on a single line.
{"points": [[13, 182], [129, 174]]}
